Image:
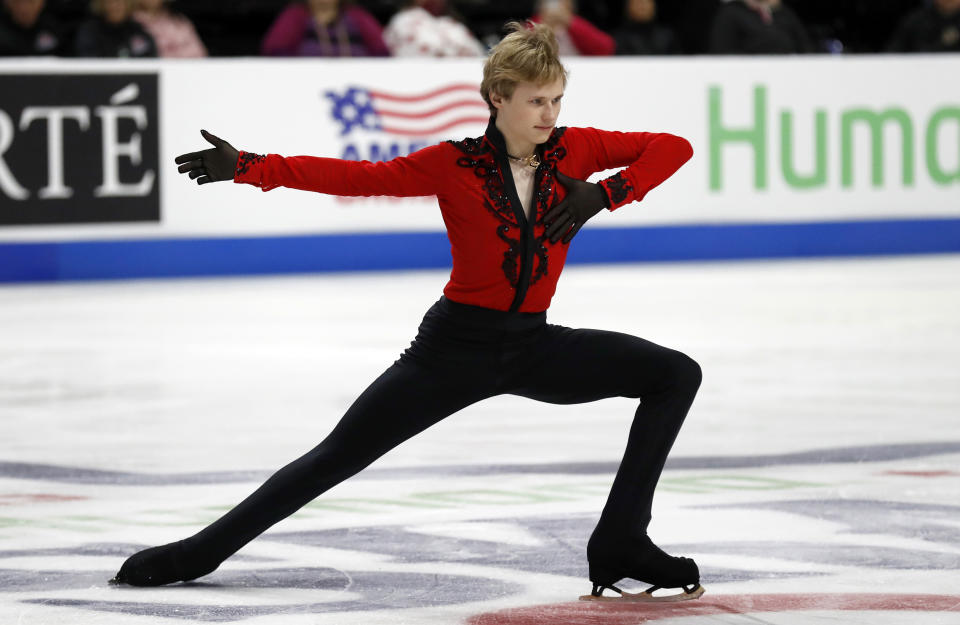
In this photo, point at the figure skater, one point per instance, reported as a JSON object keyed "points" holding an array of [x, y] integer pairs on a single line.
{"points": [[511, 200]]}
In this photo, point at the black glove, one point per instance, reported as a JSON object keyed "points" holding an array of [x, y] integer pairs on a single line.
{"points": [[213, 165], [583, 201]]}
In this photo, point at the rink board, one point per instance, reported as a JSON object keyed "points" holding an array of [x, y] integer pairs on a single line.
{"points": [[793, 157], [165, 258]]}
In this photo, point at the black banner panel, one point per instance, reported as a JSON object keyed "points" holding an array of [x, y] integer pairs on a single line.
{"points": [[79, 148]]}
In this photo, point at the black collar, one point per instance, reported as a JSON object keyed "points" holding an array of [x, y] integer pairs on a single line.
{"points": [[499, 143], [495, 137]]}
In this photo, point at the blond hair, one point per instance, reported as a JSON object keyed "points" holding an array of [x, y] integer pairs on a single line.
{"points": [[529, 53]]}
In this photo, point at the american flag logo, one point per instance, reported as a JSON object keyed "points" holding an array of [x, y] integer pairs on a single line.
{"points": [[415, 115]]}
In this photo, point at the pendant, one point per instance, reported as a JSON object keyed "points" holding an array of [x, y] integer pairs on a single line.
{"points": [[527, 161]]}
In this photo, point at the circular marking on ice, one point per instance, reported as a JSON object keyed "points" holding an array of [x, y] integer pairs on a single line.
{"points": [[24, 498], [922, 473], [592, 613]]}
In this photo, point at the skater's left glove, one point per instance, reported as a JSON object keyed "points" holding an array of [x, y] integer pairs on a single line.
{"points": [[583, 201]]}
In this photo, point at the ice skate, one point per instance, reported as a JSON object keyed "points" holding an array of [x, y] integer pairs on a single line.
{"points": [[643, 561], [647, 596], [158, 566]]}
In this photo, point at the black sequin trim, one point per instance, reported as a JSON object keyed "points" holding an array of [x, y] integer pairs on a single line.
{"points": [[472, 146], [246, 160], [509, 265], [617, 185], [479, 157], [547, 173], [549, 147], [545, 184]]}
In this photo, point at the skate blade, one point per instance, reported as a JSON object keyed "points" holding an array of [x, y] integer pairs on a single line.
{"points": [[647, 597]]}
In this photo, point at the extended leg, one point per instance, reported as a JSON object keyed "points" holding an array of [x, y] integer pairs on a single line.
{"points": [[402, 402]]}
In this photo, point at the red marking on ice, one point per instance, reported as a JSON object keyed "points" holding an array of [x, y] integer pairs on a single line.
{"points": [[593, 613], [21, 498], [922, 473]]}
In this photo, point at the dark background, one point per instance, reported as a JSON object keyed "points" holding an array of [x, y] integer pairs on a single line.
{"points": [[236, 28]]}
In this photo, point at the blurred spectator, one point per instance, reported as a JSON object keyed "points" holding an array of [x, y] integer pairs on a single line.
{"points": [[640, 33], [324, 28], [26, 30], [574, 34], [113, 32], [758, 27], [855, 26], [934, 28], [173, 33], [425, 28]]}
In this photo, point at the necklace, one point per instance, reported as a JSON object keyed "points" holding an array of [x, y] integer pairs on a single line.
{"points": [[529, 161]]}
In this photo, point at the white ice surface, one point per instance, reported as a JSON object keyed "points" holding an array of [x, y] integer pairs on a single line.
{"points": [[196, 376]]}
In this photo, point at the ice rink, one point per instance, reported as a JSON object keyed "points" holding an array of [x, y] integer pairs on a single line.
{"points": [[817, 478]]}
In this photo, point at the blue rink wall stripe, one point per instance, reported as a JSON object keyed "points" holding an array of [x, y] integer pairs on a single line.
{"points": [[184, 257]]}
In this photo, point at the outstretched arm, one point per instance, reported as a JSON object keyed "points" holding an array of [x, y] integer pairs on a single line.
{"points": [[418, 174]]}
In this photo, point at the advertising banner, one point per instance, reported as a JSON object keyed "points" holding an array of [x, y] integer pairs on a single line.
{"points": [[79, 148], [792, 156]]}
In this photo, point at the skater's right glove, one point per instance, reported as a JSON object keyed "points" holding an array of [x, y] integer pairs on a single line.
{"points": [[213, 165], [583, 201]]}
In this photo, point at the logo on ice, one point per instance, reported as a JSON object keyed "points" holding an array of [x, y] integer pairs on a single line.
{"points": [[411, 120], [78, 148]]}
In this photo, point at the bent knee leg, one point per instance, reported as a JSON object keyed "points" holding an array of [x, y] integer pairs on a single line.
{"points": [[679, 373], [670, 373], [687, 372]]}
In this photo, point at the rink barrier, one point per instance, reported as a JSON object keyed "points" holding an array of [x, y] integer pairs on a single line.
{"points": [[234, 256], [793, 157]]}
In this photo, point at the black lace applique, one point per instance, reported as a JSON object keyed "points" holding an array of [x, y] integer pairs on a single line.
{"points": [[549, 147], [617, 185], [473, 146], [246, 160], [542, 260], [479, 157], [509, 265], [546, 176], [544, 184], [485, 167]]}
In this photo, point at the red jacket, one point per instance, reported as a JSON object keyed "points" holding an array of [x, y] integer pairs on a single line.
{"points": [[500, 260]]}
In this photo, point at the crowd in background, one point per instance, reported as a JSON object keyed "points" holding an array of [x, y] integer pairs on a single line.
{"points": [[436, 28]]}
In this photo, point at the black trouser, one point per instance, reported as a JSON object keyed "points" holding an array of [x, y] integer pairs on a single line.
{"points": [[461, 355]]}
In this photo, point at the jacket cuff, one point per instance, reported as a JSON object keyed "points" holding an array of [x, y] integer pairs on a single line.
{"points": [[249, 169], [618, 190]]}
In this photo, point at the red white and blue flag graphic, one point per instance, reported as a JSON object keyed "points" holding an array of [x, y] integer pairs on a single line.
{"points": [[416, 115]]}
